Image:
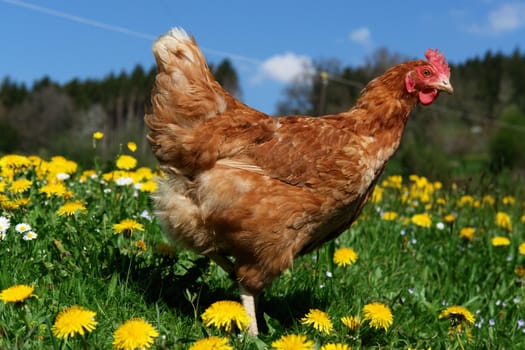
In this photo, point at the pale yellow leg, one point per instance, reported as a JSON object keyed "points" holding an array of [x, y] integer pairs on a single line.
{"points": [[249, 301]]}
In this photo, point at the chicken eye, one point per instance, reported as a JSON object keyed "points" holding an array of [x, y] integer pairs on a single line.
{"points": [[426, 73]]}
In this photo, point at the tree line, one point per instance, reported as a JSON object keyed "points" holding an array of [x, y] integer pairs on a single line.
{"points": [[479, 128]]}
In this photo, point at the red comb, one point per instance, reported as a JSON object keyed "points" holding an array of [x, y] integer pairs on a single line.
{"points": [[438, 60]]}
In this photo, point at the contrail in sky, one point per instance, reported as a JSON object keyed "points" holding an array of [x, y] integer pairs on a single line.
{"points": [[118, 29]]}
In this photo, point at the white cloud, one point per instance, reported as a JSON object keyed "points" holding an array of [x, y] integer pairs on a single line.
{"points": [[284, 68], [506, 18], [361, 36]]}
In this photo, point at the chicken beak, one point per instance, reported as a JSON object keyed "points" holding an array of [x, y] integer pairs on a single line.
{"points": [[444, 85]]}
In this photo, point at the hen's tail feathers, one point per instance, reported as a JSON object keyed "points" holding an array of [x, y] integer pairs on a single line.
{"points": [[185, 91]]}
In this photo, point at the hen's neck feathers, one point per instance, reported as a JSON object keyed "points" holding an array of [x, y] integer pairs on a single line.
{"points": [[385, 103]]}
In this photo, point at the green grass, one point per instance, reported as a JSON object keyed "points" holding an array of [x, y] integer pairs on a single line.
{"points": [[416, 271]]}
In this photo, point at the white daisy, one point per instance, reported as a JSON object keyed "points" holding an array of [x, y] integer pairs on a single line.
{"points": [[124, 181], [22, 227], [29, 236], [63, 176], [4, 224]]}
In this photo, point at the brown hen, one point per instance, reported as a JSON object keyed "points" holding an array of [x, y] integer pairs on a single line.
{"points": [[263, 190]]}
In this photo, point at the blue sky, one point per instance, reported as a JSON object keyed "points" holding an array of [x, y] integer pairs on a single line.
{"points": [[268, 41]]}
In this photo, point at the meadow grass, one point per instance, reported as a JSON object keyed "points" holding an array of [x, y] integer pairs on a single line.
{"points": [[421, 247]]}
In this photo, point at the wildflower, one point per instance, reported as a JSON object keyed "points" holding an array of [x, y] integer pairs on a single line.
{"points": [[73, 320], [211, 343], [377, 194], [508, 200], [440, 226], [467, 233], [319, 320], [465, 200], [98, 135], [345, 256], [378, 315], [17, 293], [127, 225], [124, 181], [335, 346], [488, 199], [522, 218], [293, 342], [148, 186], [503, 221], [521, 248], [449, 218], [132, 146], [4, 224], [225, 314], [22, 227], [133, 334], [20, 186], [500, 241], [57, 189], [126, 162], [459, 317], [352, 322], [71, 208], [62, 176], [389, 215], [141, 245], [422, 220], [520, 271], [14, 161], [29, 236]]}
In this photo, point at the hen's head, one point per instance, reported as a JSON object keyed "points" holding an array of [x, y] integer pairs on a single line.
{"points": [[429, 77]]}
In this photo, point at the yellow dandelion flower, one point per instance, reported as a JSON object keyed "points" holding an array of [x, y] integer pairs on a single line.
{"points": [[503, 221], [449, 218], [127, 225], [293, 342], [148, 186], [126, 162], [352, 322], [133, 334], [132, 146], [465, 200], [71, 208], [141, 245], [389, 215], [226, 314], [17, 293], [57, 189], [488, 199], [97, 135], [422, 220], [521, 248], [345, 256], [467, 233], [378, 315], [319, 320], [459, 318], [335, 346], [441, 201], [377, 194], [20, 186], [14, 161], [211, 343], [500, 241], [508, 200], [73, 320]]}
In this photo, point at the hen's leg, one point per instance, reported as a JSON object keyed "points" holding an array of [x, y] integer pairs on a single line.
{"points": [[249, 301]]}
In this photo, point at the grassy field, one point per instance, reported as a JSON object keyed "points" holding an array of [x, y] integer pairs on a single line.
{"points": [[443, 267]]}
